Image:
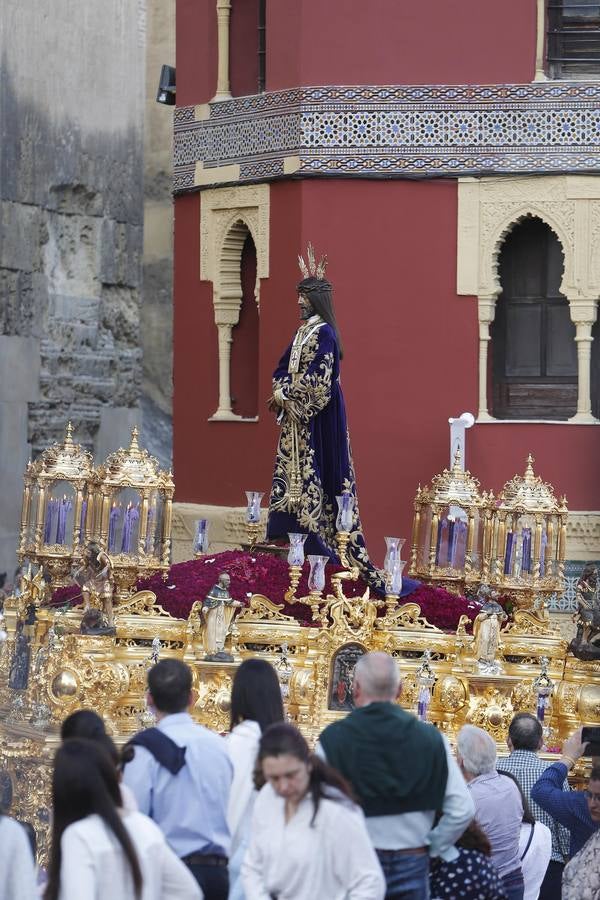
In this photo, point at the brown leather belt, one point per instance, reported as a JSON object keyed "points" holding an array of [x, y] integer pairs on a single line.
{"points": [[412, 851]]}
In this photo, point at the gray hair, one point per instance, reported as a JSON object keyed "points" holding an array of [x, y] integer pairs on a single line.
{"points": [[477, 750], [378, 676]]}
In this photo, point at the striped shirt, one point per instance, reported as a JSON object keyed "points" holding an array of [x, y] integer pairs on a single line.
{"points": [[527, 767]]}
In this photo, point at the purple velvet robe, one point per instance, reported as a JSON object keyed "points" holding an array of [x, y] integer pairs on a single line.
{"points": [[325, 457]]}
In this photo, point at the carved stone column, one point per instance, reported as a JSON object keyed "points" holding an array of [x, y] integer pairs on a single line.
{"points": [[223, 86], [487, 312], [583, 314], [224, 410]]}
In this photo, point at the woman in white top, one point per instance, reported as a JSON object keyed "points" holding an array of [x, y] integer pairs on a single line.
{"points": [[85, 723], [98, 850], [17, 866], [308, 839], [256, 703]]}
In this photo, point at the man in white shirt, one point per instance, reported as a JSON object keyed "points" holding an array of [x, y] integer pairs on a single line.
{"points": [[181, 776], [402, 772]]}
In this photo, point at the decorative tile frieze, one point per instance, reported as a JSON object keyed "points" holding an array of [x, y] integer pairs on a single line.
{"points": [[394, 131]]}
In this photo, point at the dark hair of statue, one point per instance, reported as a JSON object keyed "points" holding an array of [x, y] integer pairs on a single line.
{"points": [[85, 723], [256, 694], [320, 293], [170, 683], [283, 739], [475, 838], [528, 816], [85, 783], [525, 732]]}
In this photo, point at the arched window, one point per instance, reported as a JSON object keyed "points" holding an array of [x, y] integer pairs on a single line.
{"points": [[244, 348], [534, 355]]}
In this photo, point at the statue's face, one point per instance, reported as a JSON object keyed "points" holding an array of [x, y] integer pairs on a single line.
{"points": [[305, 306], [224, 581]]}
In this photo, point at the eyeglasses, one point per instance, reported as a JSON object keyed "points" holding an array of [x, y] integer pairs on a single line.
{"points": [[590, 795]]}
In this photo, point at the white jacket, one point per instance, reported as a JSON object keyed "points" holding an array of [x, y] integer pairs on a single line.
{"points": [[94, 866], [242, 746], [331, 859]]}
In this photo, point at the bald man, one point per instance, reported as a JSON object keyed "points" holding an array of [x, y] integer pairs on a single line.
{"points": [[403, 773]]}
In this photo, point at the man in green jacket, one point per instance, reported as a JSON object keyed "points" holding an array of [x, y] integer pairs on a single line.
{"points": [[403, 774]]}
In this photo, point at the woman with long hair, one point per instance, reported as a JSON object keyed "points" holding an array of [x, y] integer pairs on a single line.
{"points": [[471, 875], [308, 838], [98, 849], [256, 703], [85, 723]]}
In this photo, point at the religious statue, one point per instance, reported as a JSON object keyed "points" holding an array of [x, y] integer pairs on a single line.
{"points": [[586, 643], [486, 634], [97, 588], [218, 609], [19, 670], [314, 460]]}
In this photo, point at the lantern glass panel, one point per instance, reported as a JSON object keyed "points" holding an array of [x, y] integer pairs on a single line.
{"points": [[519, 547], [32, 515], [59, 515], [154, 524], [424, 537], [124, 522], [451, 547]]}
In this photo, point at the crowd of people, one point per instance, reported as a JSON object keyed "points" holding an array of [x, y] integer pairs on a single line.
{"points": [[381, 809]]}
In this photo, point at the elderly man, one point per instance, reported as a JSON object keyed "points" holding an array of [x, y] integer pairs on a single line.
{"points": [[524, 740], [402, 772], [498, 804], [578, 811]]}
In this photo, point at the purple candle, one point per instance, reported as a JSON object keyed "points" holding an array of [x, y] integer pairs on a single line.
{"points": [[508, 555], [126, 536], [115, 515], [50, 513], [527, 549], [134, 518], [64, 508]]}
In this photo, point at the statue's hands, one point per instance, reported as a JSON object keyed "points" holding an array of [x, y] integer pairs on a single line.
{"points": [[273, 405]]}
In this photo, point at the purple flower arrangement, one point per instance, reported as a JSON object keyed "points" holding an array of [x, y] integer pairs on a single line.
{"points": [[263, 573]]}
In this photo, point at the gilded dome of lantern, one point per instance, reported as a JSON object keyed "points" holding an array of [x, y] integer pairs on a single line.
{"points": [[64, 460], [134, 467], [529, 493], [453, 486]]}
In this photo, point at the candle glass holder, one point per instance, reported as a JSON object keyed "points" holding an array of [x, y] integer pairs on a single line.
{"points": [[295, 562], [253, 516], [393, 550], [201, 538]]}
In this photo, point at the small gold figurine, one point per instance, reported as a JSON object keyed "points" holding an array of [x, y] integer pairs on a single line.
{"points": [[218, 609]]}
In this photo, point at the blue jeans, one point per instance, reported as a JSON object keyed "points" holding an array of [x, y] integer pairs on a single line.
{"points": [[406, 875], [513, 885]]}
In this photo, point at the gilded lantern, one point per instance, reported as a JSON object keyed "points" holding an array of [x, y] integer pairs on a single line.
{"points": [[529, 539], [451, 530], [132, 500], [56, 518]]}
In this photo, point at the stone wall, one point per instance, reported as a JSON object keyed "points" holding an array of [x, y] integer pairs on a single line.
{"points": [[157, 307], [71, 230]]}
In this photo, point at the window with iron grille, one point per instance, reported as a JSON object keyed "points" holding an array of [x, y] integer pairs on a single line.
{"points": [[573, 46]]}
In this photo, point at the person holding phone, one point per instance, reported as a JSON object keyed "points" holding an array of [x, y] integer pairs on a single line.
{"points": [[578, 811]]}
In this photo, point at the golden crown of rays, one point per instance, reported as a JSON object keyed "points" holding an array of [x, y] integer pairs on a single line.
{"points": [[312, 268]]}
